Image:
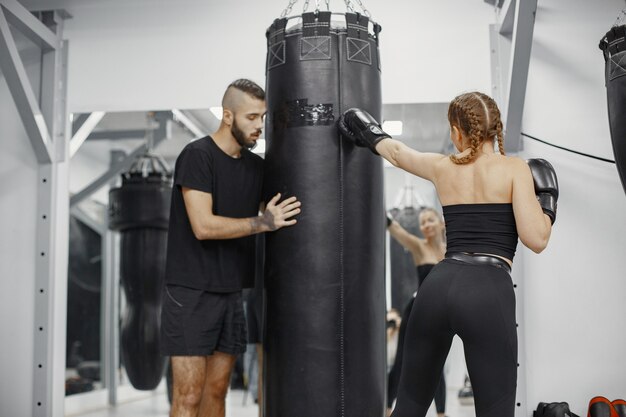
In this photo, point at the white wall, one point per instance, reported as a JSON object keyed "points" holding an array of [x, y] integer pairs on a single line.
{"points": [[18, 202], [574, 307], [147, 54]]}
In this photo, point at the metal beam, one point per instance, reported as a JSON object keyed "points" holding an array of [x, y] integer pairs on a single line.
{"points": [[506, 27], [86, 218], [29, 25], [118, 166], [84, 131], [191, 123], [78, 120], [115, 170], [118, 134], [518, 75], [50, 281], [23, 95], [105, 178]]}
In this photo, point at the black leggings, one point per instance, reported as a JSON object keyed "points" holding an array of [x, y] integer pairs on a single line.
{"points": [[394, 374], [476, 302]]}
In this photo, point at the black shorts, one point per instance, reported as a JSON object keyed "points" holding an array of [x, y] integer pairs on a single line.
{"points": [[198, 323]]}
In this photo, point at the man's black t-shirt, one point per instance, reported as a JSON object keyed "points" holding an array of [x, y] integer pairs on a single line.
{"points": [[235, 185]]}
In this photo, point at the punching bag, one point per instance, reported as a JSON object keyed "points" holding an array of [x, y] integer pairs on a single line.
{"points": [[403, 271], [139, 210], [325, 316], [613, 46]]}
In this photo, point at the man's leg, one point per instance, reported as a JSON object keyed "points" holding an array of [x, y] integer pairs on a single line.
{"points": [[217, 379], [188, 380]]}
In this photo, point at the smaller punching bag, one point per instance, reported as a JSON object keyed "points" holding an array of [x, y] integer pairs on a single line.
{"points": [[613, 46], [139, 210]]}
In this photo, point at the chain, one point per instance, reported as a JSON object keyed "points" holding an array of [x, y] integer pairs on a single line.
{"points": [[349, 6], [306, 6], [328, 5], [620, 18], [365, 11], [288, 8]]}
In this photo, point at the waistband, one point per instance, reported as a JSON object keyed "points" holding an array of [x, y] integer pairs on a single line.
{"points": [[475, 259]]}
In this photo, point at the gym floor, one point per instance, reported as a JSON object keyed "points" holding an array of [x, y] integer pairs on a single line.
{"points": [[238, 406]]}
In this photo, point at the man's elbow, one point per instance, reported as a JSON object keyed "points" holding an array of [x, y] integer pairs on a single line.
{"points": [[202, 232]]}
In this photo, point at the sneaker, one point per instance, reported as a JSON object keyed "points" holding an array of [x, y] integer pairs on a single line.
{"points": [[601, 407], [620, 407], [466, 394]]}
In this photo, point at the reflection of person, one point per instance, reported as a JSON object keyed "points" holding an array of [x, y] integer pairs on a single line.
{"points": [[393, 329], [488, 202], [426, 253], [210, 255]]}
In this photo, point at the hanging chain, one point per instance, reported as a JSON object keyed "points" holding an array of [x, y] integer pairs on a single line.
{"points": [[620, 18], [349, 6], [149, 130], [288, 8], [365, 11]]}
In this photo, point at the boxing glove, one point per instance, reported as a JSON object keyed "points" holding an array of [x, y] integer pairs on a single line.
{"points": [[361, 128], [546, 185], [389, 219]]}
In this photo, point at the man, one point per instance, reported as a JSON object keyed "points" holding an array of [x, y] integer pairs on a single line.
{"points": [[210, 255]]}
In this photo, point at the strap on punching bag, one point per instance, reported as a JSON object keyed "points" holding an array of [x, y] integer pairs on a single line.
{"points": [[276, 44], [613, 42]]}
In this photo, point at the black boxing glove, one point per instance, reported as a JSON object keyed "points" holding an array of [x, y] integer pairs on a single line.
{"points": [[546, 185], [361, 128]]}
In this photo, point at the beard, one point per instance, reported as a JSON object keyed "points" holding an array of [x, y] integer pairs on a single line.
{"points": [[240, 136]]}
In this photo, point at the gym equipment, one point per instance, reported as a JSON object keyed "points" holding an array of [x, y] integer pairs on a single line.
{"points": [[325, 316], [139, 210], [613, 47]]}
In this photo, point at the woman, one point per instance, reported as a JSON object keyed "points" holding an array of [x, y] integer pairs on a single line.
{"points": [[426, 253], [489, 200]]}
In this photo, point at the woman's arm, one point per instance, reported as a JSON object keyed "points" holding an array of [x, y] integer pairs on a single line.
{"points": [[362, 129], [408, 241], [533, 226], [421, 164]]}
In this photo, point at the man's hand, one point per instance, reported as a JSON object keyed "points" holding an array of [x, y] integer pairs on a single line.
{"points": [[277, 215]]}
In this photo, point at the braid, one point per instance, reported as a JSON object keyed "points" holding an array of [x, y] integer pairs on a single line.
{"points": [[500, 136], [497, 123], [473, 129], [478, 117]]}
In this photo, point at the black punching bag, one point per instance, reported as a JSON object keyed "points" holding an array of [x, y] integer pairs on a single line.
{"points": [[614, 47], [325, 314], [403, 271], [139, 210]]}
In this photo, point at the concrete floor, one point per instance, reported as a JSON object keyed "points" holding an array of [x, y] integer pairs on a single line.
{"points": [[157, 406]]}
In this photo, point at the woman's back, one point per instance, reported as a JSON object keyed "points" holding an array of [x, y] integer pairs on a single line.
{"points": [[487, 179]]}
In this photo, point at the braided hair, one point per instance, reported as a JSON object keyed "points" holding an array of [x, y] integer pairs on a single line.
{"points": [[478, 117]]}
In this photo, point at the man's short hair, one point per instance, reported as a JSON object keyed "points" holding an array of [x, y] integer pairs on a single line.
{"points": [[248, 87]]}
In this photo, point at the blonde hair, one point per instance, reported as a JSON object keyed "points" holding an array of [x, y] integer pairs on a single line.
{"points": [[477, 115]]}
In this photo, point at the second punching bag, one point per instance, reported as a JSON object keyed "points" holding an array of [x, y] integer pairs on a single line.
{"points": [[140, 209], [325, 316], [613, 46]]}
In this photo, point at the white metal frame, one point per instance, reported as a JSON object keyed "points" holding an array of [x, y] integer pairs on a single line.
{"points": [[511, 43], [45, 122]]}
